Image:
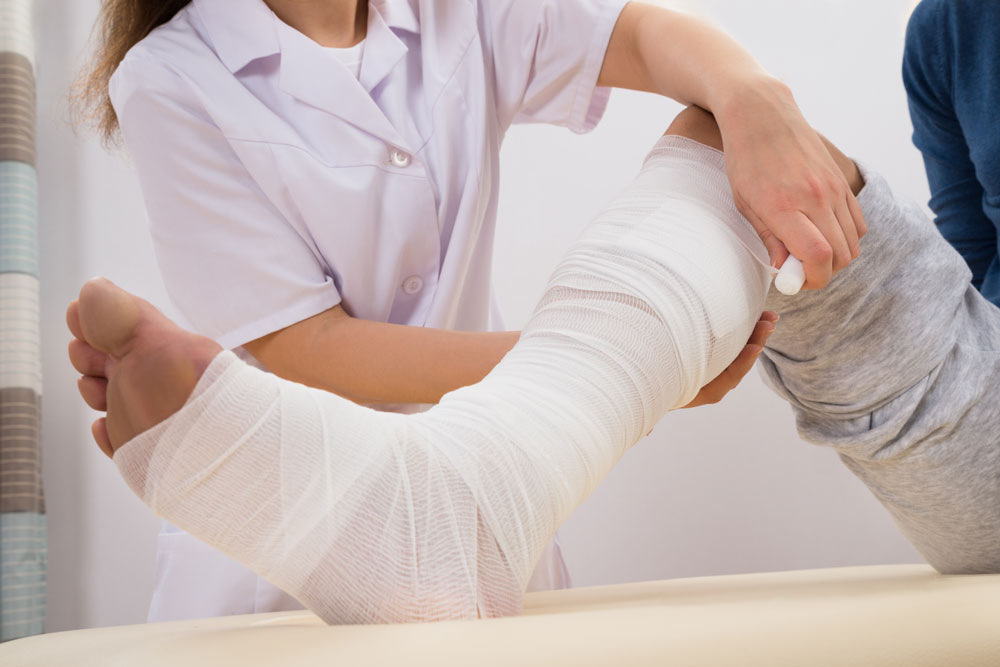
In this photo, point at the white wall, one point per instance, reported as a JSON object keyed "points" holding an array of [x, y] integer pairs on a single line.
{"points": [[720, 489]]}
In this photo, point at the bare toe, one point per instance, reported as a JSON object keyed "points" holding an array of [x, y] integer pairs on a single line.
{"points": [[108, 316], [94, 391], [86, 360], [100, 431], [73, 319]]}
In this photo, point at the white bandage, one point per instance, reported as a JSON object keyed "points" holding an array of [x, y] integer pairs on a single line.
{"points": [[366, 516]]}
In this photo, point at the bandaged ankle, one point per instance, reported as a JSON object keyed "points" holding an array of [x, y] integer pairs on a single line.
{"points": [[372, 517]]}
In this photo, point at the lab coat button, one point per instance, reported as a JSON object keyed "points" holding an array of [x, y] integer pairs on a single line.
{"points": [[413, 284], [399, 158]]}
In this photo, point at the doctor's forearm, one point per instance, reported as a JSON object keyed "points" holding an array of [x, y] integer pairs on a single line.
{"points": [[373, 362], [685, 58]]}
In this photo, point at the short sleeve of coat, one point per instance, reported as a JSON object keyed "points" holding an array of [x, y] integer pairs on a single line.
{"points": [[547, 56], [232, 264]]}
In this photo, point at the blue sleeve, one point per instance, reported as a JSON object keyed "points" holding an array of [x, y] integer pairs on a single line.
{"points": [[956, 193]]}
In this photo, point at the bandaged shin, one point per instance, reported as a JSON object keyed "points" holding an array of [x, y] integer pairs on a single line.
{"points": [[366, 516]]}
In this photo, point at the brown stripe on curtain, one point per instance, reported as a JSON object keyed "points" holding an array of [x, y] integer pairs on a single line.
{"points": [[20, 459], [17, 109]]}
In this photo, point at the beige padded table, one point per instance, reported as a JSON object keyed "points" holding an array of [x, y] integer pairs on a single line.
{"points": [[905, 615]]}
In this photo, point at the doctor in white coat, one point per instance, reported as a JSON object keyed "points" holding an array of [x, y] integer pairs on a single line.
{"points": [[321, 184]]}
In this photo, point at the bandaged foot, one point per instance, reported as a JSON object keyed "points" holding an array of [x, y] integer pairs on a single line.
{"points": [[368, 517]]}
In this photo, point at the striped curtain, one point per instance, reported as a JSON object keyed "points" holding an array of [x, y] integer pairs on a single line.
{"points": [[22, 506]]}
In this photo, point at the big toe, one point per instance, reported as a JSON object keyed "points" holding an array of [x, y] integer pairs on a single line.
{"points": [[108, 316], [73, 319]]}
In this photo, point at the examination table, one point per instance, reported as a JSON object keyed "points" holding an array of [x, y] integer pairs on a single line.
{"points": [[905, 615]]}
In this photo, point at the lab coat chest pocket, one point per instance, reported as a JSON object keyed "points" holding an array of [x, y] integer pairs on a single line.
{"points": [[373, 224]]}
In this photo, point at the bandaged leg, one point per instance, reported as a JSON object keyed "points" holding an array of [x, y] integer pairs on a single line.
{"points": [[897, 365], [371, 517]]}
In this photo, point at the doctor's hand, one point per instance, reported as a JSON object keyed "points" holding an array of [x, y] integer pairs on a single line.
{"points": [[786, 183], [783, 179], [714, 391]]}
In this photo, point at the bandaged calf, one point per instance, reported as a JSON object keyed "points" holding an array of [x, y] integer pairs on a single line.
{"points": [[372, 517]]}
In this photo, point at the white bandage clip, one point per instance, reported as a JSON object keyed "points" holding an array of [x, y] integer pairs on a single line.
{"points": [[791, 277]]}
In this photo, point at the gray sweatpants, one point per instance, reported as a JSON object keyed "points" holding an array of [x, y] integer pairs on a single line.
{"points": [[897, 365]]}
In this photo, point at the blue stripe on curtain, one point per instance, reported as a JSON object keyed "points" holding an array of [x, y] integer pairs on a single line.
{"points": [[23, 558], [18, 218]]}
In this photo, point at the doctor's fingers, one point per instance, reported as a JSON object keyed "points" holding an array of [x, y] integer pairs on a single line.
{"points": [[730, 378], [817, 240], [858, 215], [850, 227]]}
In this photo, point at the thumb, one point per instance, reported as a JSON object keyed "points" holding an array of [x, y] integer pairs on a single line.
{"points": [[776, 250]]}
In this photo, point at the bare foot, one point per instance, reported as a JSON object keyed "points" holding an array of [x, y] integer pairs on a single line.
{"points": [[137, 366]]}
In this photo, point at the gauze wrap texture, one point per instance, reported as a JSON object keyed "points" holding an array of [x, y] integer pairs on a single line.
{"points": [[367, 516]]}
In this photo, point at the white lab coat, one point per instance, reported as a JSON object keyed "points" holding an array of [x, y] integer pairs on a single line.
{"points": [[278, 185]]}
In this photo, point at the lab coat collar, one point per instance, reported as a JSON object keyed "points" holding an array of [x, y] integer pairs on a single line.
{"points": [[398, 14], [242, 31], [317, 78], [383, 50]]}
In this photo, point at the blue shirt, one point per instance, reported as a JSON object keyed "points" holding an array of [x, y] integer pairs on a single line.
{"points": [[951, 69]]}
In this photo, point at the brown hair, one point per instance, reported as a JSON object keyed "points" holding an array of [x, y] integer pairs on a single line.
{"points": [[122, 24]]}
